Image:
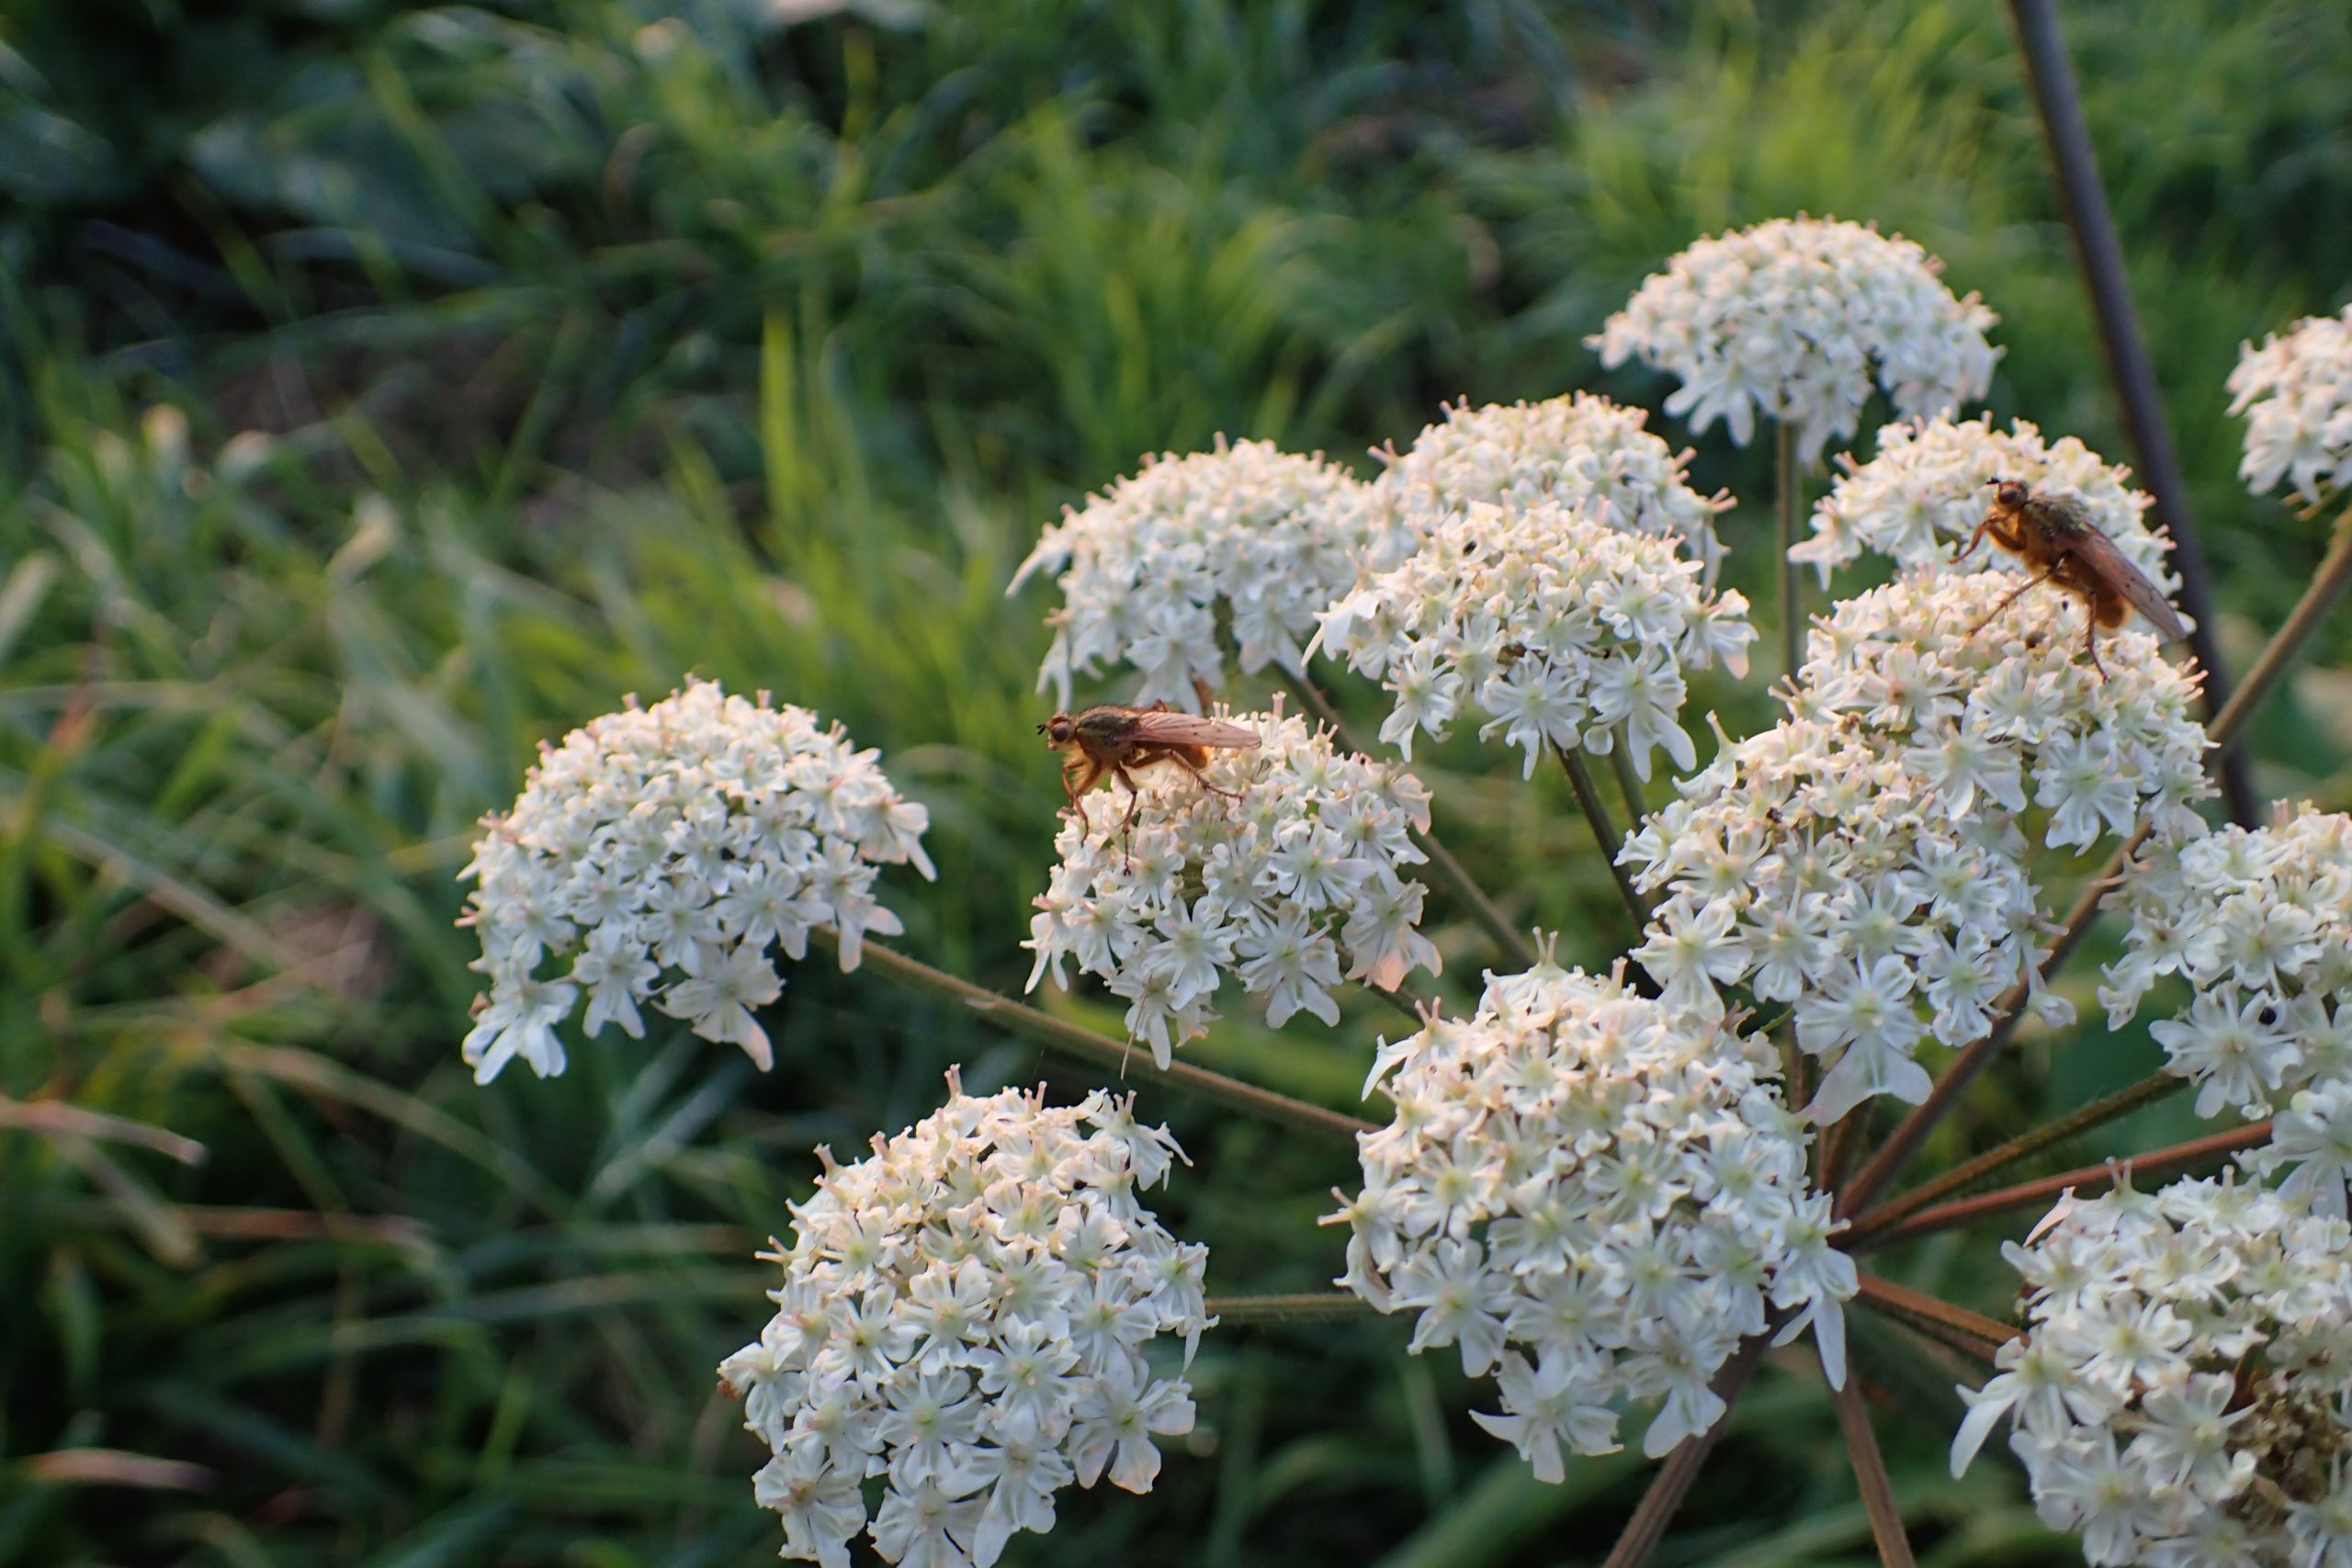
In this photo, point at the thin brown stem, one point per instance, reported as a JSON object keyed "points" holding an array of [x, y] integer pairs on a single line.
{"points": [[2087, 1181], [1102, 1050], [1441, 860], [1672, 1482], [1604, 832], [2334, 573], [1971, 1333], [1318, 1306], [1870, 1474], [1966, 1174]]}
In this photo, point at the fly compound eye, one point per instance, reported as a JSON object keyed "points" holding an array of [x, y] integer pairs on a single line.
{"points": [[2010, 495]]}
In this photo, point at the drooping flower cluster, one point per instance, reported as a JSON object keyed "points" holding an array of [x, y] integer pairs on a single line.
{"points": [[1594, 1196], [1247, 533], [1930, 485], [1291, 859], [1792, 318], [1863, 861], [2296, 393], [1562, 630], [1581, 450], [2179, 1397], [2259, 922], [659, 854], [966, 1314]]}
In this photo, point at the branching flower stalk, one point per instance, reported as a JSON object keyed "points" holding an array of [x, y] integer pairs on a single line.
{"points": [[1607, 1193]]}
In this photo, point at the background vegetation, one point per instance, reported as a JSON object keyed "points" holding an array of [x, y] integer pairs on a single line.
{"points": [[386, 389]]}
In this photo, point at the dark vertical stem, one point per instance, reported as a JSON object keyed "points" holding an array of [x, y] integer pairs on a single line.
{"points": [[1870, 1474], [2081, 197], [1673, 1478], [1604, 832]]}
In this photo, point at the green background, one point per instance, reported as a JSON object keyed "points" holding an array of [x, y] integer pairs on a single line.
{"points": [[385, 390]]}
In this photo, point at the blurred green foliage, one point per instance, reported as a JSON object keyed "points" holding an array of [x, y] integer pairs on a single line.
{"points": [[386, 389]]}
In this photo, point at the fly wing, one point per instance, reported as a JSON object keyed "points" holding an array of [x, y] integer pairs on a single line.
{"points": [[2098, 552], [1169, 729]]}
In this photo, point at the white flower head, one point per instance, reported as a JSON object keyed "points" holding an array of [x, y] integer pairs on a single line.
{"points": [[1561, 629], [968, 1314], [659, 854], [1793, 319], [1288, 863], [2258, 921], [1864, 861], [1922, 496], [1246, 540], [1581, 450], [2181, 1391], [2296, 393], [1594, 1197]]}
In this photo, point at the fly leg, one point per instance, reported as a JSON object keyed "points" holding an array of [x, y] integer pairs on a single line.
{"points": [[1134, 810], [2090, 642], [1070, 787], [2012, 599], [1200, 777]]}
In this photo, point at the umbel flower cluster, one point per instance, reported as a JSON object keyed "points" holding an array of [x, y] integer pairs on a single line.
{"points": [[1293, 859], [1593, 1196], [1863, 861], [2179, 1396], [2259, 922], [966, 1314], [1248, 535], [1792, 319], [1561, 629], [1921, 496], [2296, 394], [1581, 450], [659, 854]]}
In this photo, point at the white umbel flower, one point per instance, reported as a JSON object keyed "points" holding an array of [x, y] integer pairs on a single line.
{"points": [[1560, 629], [1864, 859], [1298, 869], [967, 1313], [1792, 318], [659, 854], [1581, 450], [2296, 394], [1917, 500], [2259, 922], [2179, 1394], [1594, 1197], [1246, 536]]}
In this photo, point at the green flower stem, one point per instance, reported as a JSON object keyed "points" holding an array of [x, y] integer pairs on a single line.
{"points": [[2335, 573], [1318, 1307], [1966, 1174], [1101, 1050], [1793, 621], [1971, 1333], [1629, 785], [1869, 1473], [2088, 1179], [1441, 860], [1596, 812]]}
